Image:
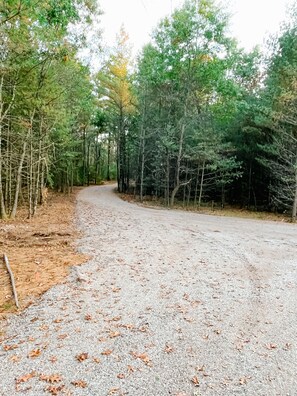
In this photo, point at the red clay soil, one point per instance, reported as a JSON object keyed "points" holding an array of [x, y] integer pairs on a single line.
{"points": [[40, 250]]}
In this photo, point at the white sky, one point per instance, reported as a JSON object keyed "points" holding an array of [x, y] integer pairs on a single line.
{"points": [[251, 19]]}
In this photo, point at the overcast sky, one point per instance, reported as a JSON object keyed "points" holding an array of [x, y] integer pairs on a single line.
{"points": [[251, 19]]}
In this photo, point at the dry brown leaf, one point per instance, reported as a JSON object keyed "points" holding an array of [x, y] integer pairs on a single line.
{"points": [[127, 326], [107, 352], [131, 369], [271, 346], [96, 360], [88, 317], [200, 368], [81, 357], [59, 320], [25, 377], [62, 336], [121, 376], [50, 378], [195, 381], [113, 391], [15, 358], [242, 381], [54, 390], [80, 384], [10, 347], [142, 356], [189, 320], [35, 353], [168, 348], [114, 334], [116, 318]]}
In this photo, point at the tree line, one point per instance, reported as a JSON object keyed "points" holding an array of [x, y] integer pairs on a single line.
{"points": [[195, 119], [47, 104], [201, 120]]}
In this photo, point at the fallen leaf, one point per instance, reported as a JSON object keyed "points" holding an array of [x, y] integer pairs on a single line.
{"points": [[243, 380], [113, 391], [130, 369], [200, 368], [271, 346], [50, 378], [88, 317], [25, 377], [287, 346], [80, 384], [114, 334], [168, 348], [62, 336], [58, 320], [189, 320], [115, 319], [15, 358], [81, 357], [10, 347], [195, 381], [35, 353], [127, 326], [54, 390], [121, 376], [96, 360], [107, 352], [142, 356]]}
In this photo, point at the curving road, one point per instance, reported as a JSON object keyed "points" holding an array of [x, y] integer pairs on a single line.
{"points": [[170, 303]]}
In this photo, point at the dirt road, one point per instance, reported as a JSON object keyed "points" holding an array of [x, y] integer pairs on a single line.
{"points": [[171, 303]]}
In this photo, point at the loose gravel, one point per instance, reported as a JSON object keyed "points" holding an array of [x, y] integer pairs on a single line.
{"points": [[170, 303]]}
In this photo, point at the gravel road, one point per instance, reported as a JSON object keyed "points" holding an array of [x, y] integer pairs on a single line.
{"points": [[170, 303]]}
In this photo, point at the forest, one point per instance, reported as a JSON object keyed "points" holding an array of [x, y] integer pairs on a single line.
{"points": [[195, 119]]}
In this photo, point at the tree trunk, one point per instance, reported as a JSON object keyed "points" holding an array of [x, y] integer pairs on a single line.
{"points": [[196, 185], [108, 158], [201, 184], [18, 181], [294, 209], [178, 164]]}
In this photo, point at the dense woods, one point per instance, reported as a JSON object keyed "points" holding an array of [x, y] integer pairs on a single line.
{"points": [[196, 119]]}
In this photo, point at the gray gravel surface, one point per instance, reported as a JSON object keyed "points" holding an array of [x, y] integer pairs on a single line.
{"points": [[170, 303]]}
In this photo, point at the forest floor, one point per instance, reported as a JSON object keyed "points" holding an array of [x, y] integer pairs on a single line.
{"points": [[169, 303], [39, 250], [206, 208]]}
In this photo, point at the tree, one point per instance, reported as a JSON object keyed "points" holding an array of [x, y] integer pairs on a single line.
{"points": [[36, 48], [279, 117], [182, 78], [115, 95]]}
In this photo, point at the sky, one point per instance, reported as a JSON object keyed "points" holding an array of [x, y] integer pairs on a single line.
{"points": [[251, 19]]}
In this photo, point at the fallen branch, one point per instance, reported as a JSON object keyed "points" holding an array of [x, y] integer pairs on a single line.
{"points": [[12, 280]]}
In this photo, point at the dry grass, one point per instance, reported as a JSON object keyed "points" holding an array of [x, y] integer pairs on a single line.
{"points": [[39, 250]]}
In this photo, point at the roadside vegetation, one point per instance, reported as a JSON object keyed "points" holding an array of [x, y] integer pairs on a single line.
{"points": [[194, 119]]}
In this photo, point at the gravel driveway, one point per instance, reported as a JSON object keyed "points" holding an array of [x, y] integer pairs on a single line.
{"points": [[170, 303]]}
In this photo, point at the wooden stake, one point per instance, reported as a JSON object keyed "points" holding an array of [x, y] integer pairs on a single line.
{"points": [[12, 280]]}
